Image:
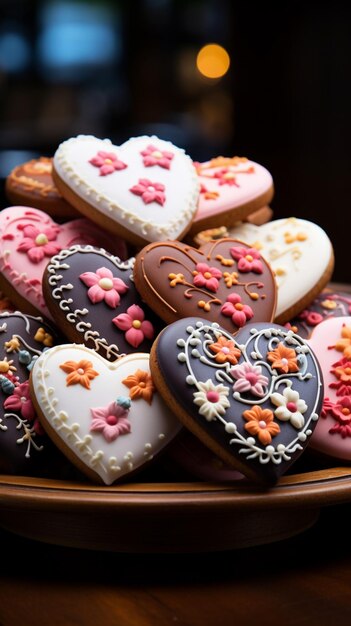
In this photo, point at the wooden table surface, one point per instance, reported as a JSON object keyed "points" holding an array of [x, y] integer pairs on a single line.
{"points": [[305, 580]]}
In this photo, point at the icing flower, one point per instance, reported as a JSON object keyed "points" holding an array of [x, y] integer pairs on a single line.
{"points": [[212, 399], [39, 243], [205, 276], [290, 407], [249, 378], [225, 351], [21, 401], [248, 259], [283, 359], [43, 337], [234, 308], [80, 373], [329, 304], [12, 345], [7, 366], [136, 327], [108, 162], [112, 420], [342, 371], [344, 344], [260, 423], [149, 192], [141, 386], [312, 318], [154, 156], [103, 285], [226, 177]]}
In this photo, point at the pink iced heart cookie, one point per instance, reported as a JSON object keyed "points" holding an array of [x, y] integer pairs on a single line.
{"points": [[301, 255], [108, 419], [254, 399], [331, 342], [91, 295], [231, 189], [144, 190], [225, 281], [28, 239]]}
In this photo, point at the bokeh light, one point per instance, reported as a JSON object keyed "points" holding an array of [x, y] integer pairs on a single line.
{"points": [[213, 61]]}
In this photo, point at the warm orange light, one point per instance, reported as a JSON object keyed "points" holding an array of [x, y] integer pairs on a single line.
{"points": [[213, 61]]}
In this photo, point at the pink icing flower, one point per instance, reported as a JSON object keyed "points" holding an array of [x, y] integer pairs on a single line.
{"points": [[21, 401], [112, 420], [248, 259], [234, 308], [226, 177], [149, 192], [135, 325], [154, 156], [108, 162], [249, 378], [312, 318], [103, 285], [205, 276], [39, 243], [342, 410]]}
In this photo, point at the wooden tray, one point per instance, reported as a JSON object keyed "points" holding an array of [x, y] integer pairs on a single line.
{"points": [[170, 516]]}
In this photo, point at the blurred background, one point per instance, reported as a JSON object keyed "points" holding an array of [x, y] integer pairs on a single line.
{"points": [[275, 88]]}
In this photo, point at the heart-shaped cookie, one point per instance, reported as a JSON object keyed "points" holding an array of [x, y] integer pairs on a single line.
{"points": [[301, 255], [331, 342], [253, 399], [231, 188], [29, 238], [225, 281], [24, 446], [329, 303], [91, 295], [108, 418], [144, 190]]}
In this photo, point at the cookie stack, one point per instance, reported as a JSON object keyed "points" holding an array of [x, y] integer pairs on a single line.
{"points": [[172, 314]]}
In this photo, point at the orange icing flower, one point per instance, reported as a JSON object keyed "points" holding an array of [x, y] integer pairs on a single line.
{"points": [[141, 386], [283, 359], [225, 351], [343, 372], [79, 373], [260, 422], [344, 344]]}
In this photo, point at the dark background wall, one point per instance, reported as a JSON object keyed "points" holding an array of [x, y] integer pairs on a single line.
{"points": [[285, 101]]}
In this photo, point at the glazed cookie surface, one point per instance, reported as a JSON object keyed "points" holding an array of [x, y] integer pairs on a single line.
{"points": [[28, 239], [231, 189], [225, 281], [331, 342], [329, 303], [92, 296], [144, 190], [24, 446], [254, 399], [301, 255], [107, 418], [31, 184]]}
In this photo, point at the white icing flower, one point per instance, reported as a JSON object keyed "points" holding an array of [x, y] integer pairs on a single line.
{"points": [[290, 407], [212, 399]]}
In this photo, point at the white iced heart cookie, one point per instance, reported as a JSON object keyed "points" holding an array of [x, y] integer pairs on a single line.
{"points": [[107, 418], [145, 190], [301, 256]]}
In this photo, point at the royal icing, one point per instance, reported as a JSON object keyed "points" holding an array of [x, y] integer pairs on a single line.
{"points": [[108, 418], [24, 446], [329, 303], [300, 254], [254, 399], [147, 185], [92, 295], [232, 187], [28, 240], [225, 281], [331, 342]]}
